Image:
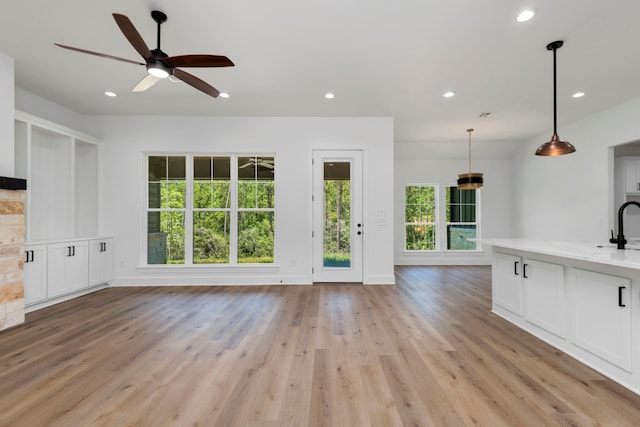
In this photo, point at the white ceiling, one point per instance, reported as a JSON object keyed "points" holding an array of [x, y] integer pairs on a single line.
{"points": [[380, 58]]}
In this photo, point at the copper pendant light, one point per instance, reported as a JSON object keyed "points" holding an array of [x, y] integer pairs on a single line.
{"points": [[470, 181], [556, 146]]}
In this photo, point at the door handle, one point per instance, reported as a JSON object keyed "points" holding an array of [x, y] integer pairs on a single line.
{"points": [[515, 268], [524, 271], [620, 289]]}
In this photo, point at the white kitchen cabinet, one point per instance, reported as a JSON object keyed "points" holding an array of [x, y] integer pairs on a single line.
{"points": [[35, 273], [100, 261], [544, 295], [507, 283], [601, 315], [632, 175], [68, 267], [534, 290]]}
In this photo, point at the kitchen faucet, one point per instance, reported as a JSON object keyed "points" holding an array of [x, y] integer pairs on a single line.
{"points": [[620, 240]]}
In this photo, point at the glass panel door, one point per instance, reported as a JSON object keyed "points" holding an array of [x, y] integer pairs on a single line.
{"points": [[338, 228]]}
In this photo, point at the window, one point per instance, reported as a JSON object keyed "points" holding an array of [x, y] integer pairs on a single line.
{"points": [[461, 219], [166, 210], [255, 209], [210, 209], [420, 217], [432, 223]]}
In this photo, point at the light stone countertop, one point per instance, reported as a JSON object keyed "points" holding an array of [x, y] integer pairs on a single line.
{"points": [[602, 253]]}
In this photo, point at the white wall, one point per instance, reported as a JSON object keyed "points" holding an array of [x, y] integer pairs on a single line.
{"points": [[7, 108], [48, 110], [414, 165], [292, 140], [571, 197]]}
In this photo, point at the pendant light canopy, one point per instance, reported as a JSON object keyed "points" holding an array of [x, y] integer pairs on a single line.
{"points": [[470, 181], [556, 146]]}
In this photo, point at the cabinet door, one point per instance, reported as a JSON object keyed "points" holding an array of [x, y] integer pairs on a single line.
{"points": [[35, 273], [78, 266], [68, 268], [507, 284], [631, 176], [57, 269], [100, 261], [601, 315], [544, 295]]}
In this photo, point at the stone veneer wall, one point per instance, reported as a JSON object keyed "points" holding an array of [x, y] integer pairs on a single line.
{"points": [[11, 257]]}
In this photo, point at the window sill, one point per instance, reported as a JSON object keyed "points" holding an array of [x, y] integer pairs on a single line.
{"points": [[461, 252], [204, 268]]}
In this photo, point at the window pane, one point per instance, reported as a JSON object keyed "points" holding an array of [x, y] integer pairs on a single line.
{"points": [[167, 185], [211, 237], [157, 168], [165, 241], [461, 205], [211, 185], [255, 237], [337, 215], [458, 237], [255, 182], [421, 237], [420, 203]]}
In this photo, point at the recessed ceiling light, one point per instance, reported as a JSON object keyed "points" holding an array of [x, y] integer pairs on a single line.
{"points": [[578, 94], [224, 95], [525, 15], [111, 94], [329, 95], [449, 94]]}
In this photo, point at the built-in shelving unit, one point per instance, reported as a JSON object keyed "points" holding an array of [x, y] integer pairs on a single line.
{"points": [[60, 165]]}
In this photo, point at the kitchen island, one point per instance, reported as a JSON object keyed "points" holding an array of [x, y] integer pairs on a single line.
{"points": [[582, 298]]}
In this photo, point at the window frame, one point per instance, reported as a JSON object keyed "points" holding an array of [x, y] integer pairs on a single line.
{"points": [[476, 223], [189, 210], [434, 223]]}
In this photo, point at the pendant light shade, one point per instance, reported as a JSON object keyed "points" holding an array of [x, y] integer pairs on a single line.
{"points": [[556, 146], [471, 180]]}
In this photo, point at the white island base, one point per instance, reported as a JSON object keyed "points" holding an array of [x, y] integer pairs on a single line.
{"points": [[581, 298]]}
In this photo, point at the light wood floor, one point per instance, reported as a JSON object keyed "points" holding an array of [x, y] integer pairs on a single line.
{"points": [[426, 352]]}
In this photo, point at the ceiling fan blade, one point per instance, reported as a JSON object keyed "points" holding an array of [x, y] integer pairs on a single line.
{"points": [[198, 61], [192, 80], [146, 82], [134, 37], [103, 55]]}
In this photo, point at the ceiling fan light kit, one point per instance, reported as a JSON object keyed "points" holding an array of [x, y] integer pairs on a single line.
{"points": [[470, 180], [555, 146], [160, 65]]}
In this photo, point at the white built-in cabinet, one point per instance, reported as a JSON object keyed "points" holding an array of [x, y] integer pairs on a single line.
{"points": [[35, 273], [601, 315], [544, 295], [588, 314], [507, 283], [531, 289], [68, 267], [61, 214], [100, 261]]}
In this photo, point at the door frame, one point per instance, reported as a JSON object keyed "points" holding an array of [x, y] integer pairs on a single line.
{"points": [[355, 272]]}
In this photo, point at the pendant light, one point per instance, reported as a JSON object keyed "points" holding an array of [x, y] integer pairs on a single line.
{"points": [[556, 146], [470, 181]]}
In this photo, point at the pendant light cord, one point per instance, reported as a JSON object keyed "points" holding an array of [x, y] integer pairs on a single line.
{"points": [[469, 130], [555, 95]]}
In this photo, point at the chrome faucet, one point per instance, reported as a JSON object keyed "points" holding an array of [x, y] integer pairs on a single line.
{"points": [[620, 240]]}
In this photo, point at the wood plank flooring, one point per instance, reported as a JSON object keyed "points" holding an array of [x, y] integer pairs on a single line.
{"points": [[426, 352]]}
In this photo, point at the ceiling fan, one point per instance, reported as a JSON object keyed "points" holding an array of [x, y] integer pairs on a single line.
{"points": [[258, 161], [159, 64]]}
